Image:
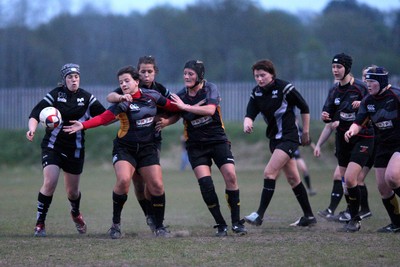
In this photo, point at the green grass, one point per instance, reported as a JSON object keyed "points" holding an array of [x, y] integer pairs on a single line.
{"points": [[274, 243]]}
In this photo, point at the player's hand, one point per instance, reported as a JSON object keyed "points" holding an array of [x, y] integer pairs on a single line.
{"points": [[162, 122], [348, 135], [126, 97], [317, 151], [305, 139], [74, 127], [325, 116], [29, 135], [248, 125], [176, 100], [355, 104]]}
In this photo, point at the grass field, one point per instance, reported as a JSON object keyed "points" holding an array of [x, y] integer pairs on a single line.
{"points": [[274, 243]]}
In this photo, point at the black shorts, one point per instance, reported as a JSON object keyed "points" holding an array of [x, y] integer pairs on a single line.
{"points": [[289, 147], [66, 161], [359, 150], [139, 155], [371, 160], [297, 154], [204, 154], [384, 153]]}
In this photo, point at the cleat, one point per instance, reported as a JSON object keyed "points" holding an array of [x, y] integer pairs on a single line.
{"points": [[253, 219], [115, 231], [79, 223], [222, 230], [40, 231], [239, 229], [162, 232], [305, 221], [150, 223], [351, 227], [326, 213], [364, 214], [344, 216], [391, 228]]}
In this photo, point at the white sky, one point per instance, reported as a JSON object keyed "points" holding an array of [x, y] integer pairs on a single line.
{"points": [[126, 6]]}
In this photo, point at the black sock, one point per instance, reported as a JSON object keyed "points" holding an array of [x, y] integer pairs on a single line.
{"points": [[118, 204], [266, 196], [75, 205], [43, 205], [301, 195], [363, 198], [336, 195], [307, 180], [346, 197], [232, 197], [354, 200], [158, 206], [211, 199], [392, 207], [145, 204]]}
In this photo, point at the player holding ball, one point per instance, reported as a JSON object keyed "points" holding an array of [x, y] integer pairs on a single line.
{"points": [[61, 150]]}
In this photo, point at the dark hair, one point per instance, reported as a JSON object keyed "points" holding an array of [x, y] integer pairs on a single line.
{"points": [[265, 65], [130, 70], [148, 60]]}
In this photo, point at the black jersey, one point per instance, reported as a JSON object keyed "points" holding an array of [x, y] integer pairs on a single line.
{"points": [[200, 129], [339, 104], [159, 88], [80, 106], [384, 112], [277, 102], [137, 118]]}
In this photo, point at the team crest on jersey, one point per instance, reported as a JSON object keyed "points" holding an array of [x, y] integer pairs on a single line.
{"points": [[62, 97], [134, 107], [80, 101], [371, 108], [274, 93], [337, 101]]}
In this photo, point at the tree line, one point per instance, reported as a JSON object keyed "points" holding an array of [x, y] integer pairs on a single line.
{"points": [[228, 35]]}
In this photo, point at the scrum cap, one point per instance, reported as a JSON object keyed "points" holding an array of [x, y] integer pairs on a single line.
{"points": [[378, 74], [198, 67], [344, 60], [68, 69]]}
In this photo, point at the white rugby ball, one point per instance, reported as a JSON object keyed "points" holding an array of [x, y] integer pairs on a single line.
{"points": [[50, 117]]}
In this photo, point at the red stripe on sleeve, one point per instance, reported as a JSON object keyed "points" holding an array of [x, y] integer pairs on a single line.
{"points": [[170, 107], [105, 117]]}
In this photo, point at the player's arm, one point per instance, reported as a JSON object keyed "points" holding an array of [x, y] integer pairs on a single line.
{"points": [[305, 137], [115, 97], [32, 126], [324, 136], [206, 110], [353, 130]]}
